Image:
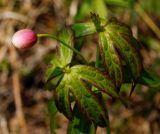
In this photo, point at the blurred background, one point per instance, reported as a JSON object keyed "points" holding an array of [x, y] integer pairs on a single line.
{"points": [[23, 96]]}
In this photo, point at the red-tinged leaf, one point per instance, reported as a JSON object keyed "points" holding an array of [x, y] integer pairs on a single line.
{"points": [[123, 40], [111, 58], [73, 87]]}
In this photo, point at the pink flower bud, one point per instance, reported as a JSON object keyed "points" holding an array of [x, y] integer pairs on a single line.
{"points": [[24, 39]]}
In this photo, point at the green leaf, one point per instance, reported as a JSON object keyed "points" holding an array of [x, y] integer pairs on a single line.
{"points": [[111, 58], [54, 82], [87, 102], [82, 29], [96, 78], [53, 72], [74, 85], [62, 97], [55, 62], [150, 78], [66, 54], [53, 77], [60, 61], [79, 123], [121, 38]]}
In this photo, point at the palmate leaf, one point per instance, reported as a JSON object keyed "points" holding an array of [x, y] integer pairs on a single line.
{"points": [[79, 123], [111, 58], [55, 73], [96, 78], [74, 86], [118, 47], [82, 29], [126, 46], [65, 54], [53, 77]]}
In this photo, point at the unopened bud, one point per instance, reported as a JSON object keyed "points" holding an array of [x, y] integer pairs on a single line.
{"points": [[24, 39]]}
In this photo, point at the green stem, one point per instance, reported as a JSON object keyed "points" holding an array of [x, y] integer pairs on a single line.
{"points": [[63, 43]]}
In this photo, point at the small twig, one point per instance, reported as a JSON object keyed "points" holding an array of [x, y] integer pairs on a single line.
{"points": [[17, 92]]}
